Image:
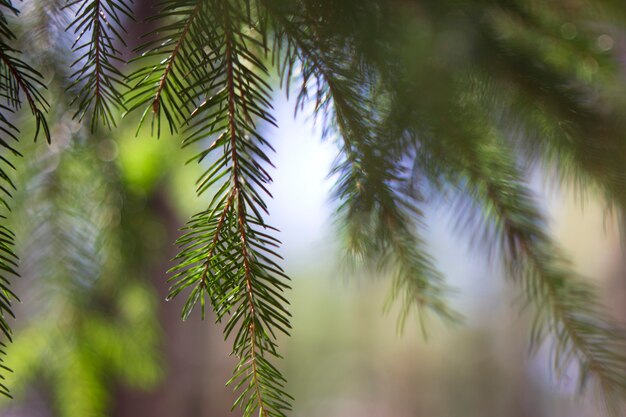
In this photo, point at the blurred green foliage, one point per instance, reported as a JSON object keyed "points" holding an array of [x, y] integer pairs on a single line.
{"points": [[89, 321]]}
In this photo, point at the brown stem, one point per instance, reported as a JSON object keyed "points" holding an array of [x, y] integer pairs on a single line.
{"points": [[240, 205], [172, 58]]}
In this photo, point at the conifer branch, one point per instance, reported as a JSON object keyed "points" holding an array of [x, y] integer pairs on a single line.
{"points": [[227, 253], [379, 224], [564, 306], [98, 27], [168, 87], [20, 78], [230, 57], [19, 82], [163, 80]]}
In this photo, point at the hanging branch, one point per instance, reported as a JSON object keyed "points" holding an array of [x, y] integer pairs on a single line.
{"points": [[493, 197], [98, 26], [166, 88], [381, 226], [18, 82], [211, 78]]}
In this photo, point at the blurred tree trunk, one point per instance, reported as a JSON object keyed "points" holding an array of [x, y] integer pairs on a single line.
{"points": [[194, 368]]}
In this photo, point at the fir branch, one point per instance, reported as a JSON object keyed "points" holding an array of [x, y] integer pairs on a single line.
{"points": [[494, 197], [167, 87], [566, 306], [17, 77], [380, 225], [227, 253], [18, 82], [383, 223], [163, 80], [556, 119], [98, 26]]}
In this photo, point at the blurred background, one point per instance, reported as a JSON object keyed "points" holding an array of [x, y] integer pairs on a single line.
{"points": [[96, 215]]}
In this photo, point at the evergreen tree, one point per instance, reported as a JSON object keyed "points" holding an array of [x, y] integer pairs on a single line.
{"points": [[450, 99]]}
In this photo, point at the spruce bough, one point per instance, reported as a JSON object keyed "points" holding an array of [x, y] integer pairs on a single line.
{"points": [[447, 100]]}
